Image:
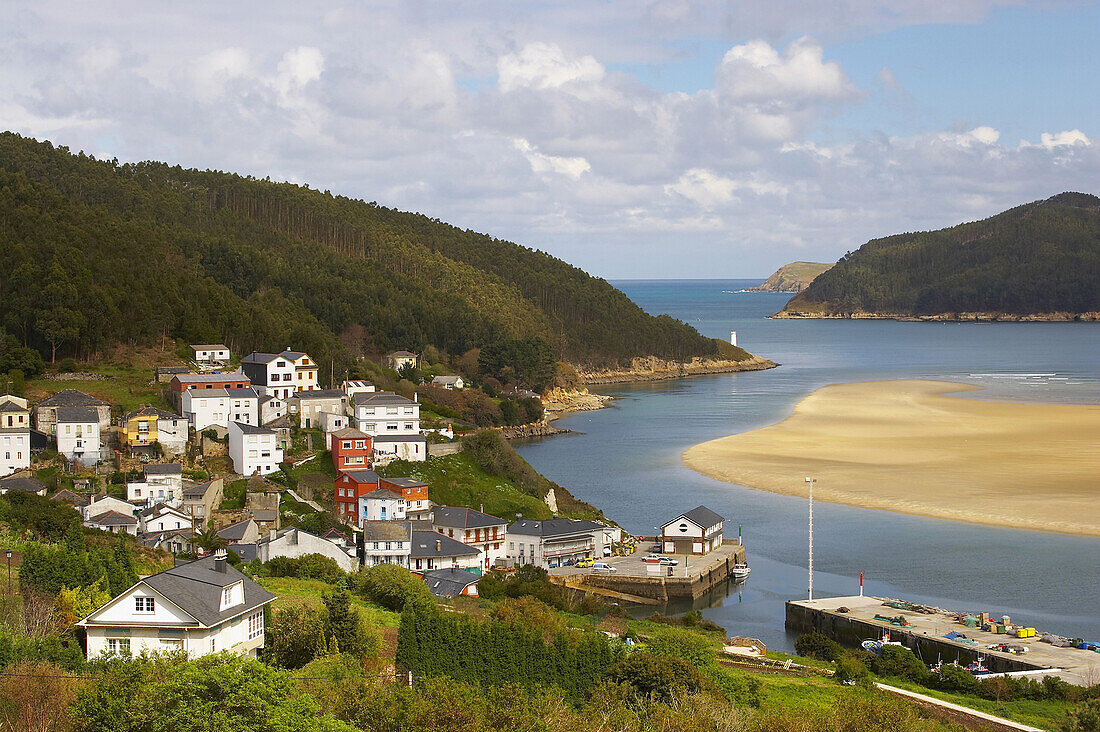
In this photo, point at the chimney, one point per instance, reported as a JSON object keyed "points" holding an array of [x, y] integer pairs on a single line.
{"points": [[272, 534], [438, 545], [416, 397], [483, 508], [219, 564]]}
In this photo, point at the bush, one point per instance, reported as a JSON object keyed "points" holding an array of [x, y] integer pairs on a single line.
{"points": [[67, 366], [849, 669], [900, 662], [294, 636], [737, 686], [391, 586], [683, 644], [307, 566], [956, 679], [655, 677], [816, 645], [1084, 718], [344, 627]]}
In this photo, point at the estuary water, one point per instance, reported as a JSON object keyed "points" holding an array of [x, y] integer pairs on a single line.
{"points": [[626, 460]]}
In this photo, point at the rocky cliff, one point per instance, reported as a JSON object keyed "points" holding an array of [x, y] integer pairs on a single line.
{"points": [[793, 277]]}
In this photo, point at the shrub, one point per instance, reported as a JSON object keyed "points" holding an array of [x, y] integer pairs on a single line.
{"points": [[849, 669], [655, 677], [956, 679], [391, 586], [683, 644], [816, 645], [900, 662], [67, 366], [294, 636]]}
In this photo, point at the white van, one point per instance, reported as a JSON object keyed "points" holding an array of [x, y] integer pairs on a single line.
{"points": [[604, 566]]}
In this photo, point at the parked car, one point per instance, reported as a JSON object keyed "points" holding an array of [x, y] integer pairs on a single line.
{"points": [[668, 561], [652, 559], [604, 566], [586, 562]]}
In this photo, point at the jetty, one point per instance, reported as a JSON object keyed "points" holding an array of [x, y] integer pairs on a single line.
{"points": [[633, 580], [853, 619]]}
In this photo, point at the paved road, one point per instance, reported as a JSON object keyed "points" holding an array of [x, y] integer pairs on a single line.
{"points": [[312, 504]]}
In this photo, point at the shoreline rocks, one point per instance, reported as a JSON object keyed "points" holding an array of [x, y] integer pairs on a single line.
{"points": [[559, 402], [656, 369], [987, 317], [533, 430]]}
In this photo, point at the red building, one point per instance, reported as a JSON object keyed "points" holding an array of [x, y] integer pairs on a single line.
{"points": [[348, 487], [415, 493], [351, 450]]}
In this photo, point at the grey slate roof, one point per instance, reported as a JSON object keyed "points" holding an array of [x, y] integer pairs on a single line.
{"points": [[78, 415], [387, 531], [164, 469], [382, 494], [399, 438], [264, 514], [209, 378], [428, 544], [401, 354], [247, 552], [251, 429], [257, 357], [292, 355], [319, 394], [235, 532], [11, 407], [30, 485], [71, 398], [362, 476], [552, 527], [209, 346], [246, 393], [351, 433], [196, 491], [113, 518], [463, 518], [196, 587], [379, 399], [702, 516], [172, 370], [151, 412], [449, 582], [405, 482], [67, 496]]}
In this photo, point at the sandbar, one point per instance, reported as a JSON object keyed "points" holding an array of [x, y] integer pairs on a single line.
{"points": [[911, 447]]}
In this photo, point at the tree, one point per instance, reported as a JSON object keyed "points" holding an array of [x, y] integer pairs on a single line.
{"points": [[392, 587], [59, 326], [208, 540], [293, 636], [35, 697], [80, 602], [344, 625], [655, 677]]}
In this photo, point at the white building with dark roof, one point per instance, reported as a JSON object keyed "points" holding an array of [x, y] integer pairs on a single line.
{"points": [[310, 404], [25, 485], [554, 541], [293, 542], [161, 483], [484, 532], [78, 434], [699, 531], [218, 407], [162, 517], [15, 435], [45, 412], [420, 550], [381, 505], [448, 382], [281, 374], [210, 353], [115, 522], [201, 607], [254, 449], [394, 423]]}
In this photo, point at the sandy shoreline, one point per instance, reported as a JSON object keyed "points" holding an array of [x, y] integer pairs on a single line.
{"points": [[910, 447]]}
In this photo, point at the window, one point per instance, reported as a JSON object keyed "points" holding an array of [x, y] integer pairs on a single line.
{"points": [[171, 645], [144, 605], [213, 645], [387, 546], [376, 545], [118, 646], [408, 425], [255, 625], [227, 596]]}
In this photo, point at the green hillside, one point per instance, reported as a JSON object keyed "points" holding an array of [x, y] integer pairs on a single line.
{"points": [[96, 253], [1039, 258]]}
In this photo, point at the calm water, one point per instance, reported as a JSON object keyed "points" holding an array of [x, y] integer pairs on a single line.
{"points": [[626, 459]]}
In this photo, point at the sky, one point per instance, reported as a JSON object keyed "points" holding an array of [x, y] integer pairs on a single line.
{"points": [[644, 139]]}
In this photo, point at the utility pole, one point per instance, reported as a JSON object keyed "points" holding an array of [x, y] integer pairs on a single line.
{"points": [[810, 482]]}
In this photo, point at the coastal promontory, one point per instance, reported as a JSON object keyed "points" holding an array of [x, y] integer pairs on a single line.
{"points": [[794, 277], [1038, 261]]}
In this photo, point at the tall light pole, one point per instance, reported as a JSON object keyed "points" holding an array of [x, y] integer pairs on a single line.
{"points": [[810, 482]]}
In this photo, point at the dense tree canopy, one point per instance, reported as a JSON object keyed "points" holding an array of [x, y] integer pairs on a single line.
{"points": [[1042, 257], [98, 252]]}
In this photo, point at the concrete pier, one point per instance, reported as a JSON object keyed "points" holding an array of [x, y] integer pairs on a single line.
{"points": [[632, 582], [924, 636]]}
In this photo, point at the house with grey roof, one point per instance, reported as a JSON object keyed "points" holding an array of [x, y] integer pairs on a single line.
{"points": [[292, 542], [200, 607], [199, 501], [432, 550], [161, 483], [451, 582], [699, 531], [281, 374], [25, 485], [78, 434], [555, 541], [242, 532], [397, 360], [310, 404], [254, 449], [381, 505], [15, 435], [115, 522], [210, 353], [448, 382], [386, 542], [480, 530], [45, 412], [394, 423]]}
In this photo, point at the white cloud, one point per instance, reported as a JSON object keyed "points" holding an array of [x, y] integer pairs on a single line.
{"points": [[756, 71], [545, 66], [573, 167], [298, 68], [212, 71], [1066, 138]]}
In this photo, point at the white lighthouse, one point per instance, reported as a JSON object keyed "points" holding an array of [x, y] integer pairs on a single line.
{"points": [[733, 338]]}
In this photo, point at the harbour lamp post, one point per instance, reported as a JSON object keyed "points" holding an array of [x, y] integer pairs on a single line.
{"points": [[810, 482]]}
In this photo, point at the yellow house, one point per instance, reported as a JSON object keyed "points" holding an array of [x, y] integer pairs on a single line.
{"points": [[147, 425]]}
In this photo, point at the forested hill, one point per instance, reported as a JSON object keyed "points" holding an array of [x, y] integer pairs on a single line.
{"points": [[97, 252], [1040, 260]]}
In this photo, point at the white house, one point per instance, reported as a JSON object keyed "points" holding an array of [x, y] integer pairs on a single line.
{"points": [[551, 542], [200, 607], [292, 542], [413, 448], [161, 517], [271, 408], [310, 404], [381, 505], [115, 522], [254, 449], [26, 485], [78, 436], [432, 550], [15, 435], [46, 410], [161, 484], [479, 530], [218, 407], [394, 423], [356, 386], [449, 382], [699, 531], [281, 374], [387, 542], [330, 424], [210, 353], [398, 360], [102, 504]]}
